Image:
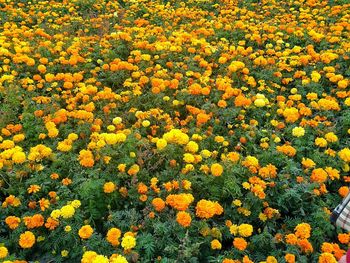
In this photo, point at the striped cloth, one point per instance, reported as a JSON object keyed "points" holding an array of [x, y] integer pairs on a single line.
{"points": [[341, 214]]}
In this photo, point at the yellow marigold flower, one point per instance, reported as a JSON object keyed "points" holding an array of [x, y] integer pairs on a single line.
{"points": [[298, 131], [205, 153], [331, 137], [161, 144], [119, 259], [237, 202], [176, 136], [18, 138], [18, 157], [315, 76], [277, 139], [146, 123], [3, 252], [312, 96], [215, 244], [72, 136], [76, 203], [192, 147], [27, 239], [347, 102], [117, 120], [216, 169], [189, 158], [320, 142], [246, 185], [88, 256], [344, 154], [271, 259], [128, 242], [85, 232], [7, 144], [186, 184], [234, 229], [259, 102], [100, 259], [67, 211], [262, 217], [332, 173], [245, 230], [55, 214], [64, 253], [342, 84], [307, 163]]}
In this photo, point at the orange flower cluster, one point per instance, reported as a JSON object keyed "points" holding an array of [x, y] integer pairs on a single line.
{"points": [[207, 209]]}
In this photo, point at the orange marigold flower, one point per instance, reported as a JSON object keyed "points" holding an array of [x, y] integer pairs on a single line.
{"points": [[12, 221], [202, 118], [133, 170], [66, 181], [183, 218], [327, 247], [290, 258], [44, 204], [26, 240], [240, 243], [305, 246], [158, 204], [85, 232], [34, 221], [54, 176], [303, 230], [51, 223], [287, 150], [109, 187], [319, 175], [86, 158], [113, 236], [207, 209], [343, 191], [33, 188], [327, 258], [142, 188], [180, 201], [291, 239], [12, 200]]}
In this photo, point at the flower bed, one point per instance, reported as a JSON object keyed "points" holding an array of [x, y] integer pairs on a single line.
{"points": [[168, 131]]}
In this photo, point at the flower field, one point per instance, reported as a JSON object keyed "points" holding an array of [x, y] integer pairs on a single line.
{"points": [[169, 131]]}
